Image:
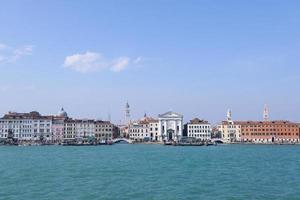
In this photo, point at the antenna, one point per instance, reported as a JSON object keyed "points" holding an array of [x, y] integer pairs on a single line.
{"points": [[109, 116]]}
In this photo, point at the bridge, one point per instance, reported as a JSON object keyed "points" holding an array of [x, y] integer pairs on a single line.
{"points": [[117, 140], [217, 140]]}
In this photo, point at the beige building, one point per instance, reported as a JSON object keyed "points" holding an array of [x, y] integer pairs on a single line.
{"points": [[230, 131], [145, 129], [153, 130], [69, 130], [103, 130], [139, 131]]}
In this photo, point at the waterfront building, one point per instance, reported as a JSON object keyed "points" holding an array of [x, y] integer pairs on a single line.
{"points": [[58, 126], [153, 130], [123, 130], [145, 129], [215, 133], [57, 129], [33, 127], [139, 131], [230, 131], [26, 126], [116, 131], [69, 130], [103, 130], [84, 129], [199, 129], [42, 128], [87, 130], [170, 126], [269, 131]]}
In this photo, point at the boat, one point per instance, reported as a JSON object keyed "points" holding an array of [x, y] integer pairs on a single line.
{"points": [[189, 144], [168, 143], [103, 142], [209, 144]]}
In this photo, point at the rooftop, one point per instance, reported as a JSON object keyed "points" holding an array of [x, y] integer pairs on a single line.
{"points": [[198, 121], [277, 122], [170, 114]]}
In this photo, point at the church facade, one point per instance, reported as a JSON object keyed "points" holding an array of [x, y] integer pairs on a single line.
{"points": [[170, 126]]}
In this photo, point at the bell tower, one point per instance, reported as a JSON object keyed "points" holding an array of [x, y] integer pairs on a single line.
{"points": [[127, 113], [229, 117], [266, 113]]}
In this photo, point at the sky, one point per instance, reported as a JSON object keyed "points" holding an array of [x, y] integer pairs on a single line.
{"points": [[195, 57]]}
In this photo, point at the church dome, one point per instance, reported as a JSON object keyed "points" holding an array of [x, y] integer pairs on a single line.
{"points": [[62, 113]]}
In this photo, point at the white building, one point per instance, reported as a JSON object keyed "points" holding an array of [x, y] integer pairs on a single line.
{"points": [[85, 129], [199, 129], [33, 127], [145, 129], [26, 126], [170, 126], [139, 131], [230, 131]]}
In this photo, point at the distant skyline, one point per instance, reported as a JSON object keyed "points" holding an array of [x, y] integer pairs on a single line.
{"points": [[195, 57]]}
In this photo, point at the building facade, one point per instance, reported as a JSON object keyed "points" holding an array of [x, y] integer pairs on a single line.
{"points": [[26, 126], [139, 131], [58, 126], [57, 129], [69, 130], [199, 129], [84, 130], [170, 126], [153, 130], [269, 131], [144, 130], [104, 131], [230, 131], [33, 127]]}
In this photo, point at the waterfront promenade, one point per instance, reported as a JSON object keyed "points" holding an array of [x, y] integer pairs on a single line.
{"points": [[150, 172]]}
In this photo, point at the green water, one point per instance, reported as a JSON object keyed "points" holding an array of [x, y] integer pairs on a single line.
{"points": [[150, 172]]}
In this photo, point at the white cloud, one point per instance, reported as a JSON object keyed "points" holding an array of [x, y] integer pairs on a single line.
{"points": [[2, 46], [87, 62], [120, 64], [93, 61], [24, 50], [10, 54], [21, 51]]}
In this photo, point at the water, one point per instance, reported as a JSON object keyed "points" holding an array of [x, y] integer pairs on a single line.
{"points": [[150, 172]]}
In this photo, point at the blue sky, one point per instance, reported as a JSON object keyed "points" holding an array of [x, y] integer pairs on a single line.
{"points": [[198, 58]]}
